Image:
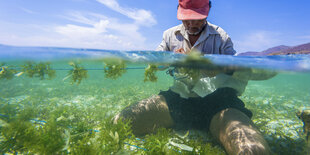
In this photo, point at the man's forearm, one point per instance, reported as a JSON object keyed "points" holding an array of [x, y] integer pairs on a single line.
{"points": [[253, 74]]}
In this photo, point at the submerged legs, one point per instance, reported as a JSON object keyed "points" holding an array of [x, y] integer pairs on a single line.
{"points": [[237, 133], [232, 128]]}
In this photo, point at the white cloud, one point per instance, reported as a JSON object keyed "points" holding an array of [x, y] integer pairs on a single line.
{"points": [[80, 18], [258, 41], [82, 31], [103, 32], [27, 10], [88, 30], [141, 16]]}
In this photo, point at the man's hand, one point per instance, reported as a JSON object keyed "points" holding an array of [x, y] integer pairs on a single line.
{"points": [[180, 51]]}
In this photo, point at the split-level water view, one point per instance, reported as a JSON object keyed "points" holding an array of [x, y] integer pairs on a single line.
{"points": [[62, 104]]}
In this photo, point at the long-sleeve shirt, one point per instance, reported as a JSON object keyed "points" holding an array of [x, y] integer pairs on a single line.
{"points": [[213, 40]]}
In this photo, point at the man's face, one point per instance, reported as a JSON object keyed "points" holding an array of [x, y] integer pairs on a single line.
{"points": [[194, 27]]}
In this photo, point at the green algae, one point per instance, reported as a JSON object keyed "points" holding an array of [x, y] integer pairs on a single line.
{"points": [[157, 143], [6, 72], [22, 135], [114, 68], [40, 70], [77, 74], [71, 129], [195, 66], [150, 73]]}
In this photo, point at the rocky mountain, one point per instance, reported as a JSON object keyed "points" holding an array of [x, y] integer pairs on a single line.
{"points": [[281, 50]]}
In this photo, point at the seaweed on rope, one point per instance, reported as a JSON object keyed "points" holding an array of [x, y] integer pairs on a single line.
{"points": [[114, 68], [77, 74], [150, 73], [40, 70], [6, 72]]}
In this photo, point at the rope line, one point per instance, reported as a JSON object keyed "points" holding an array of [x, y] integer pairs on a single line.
{"points": [[127, 68]]}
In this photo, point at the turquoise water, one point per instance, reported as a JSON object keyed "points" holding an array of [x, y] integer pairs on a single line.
{"points": [[68, 114]]}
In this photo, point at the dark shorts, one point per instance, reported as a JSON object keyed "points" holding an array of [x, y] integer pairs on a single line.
{"points": [[197, 112]]}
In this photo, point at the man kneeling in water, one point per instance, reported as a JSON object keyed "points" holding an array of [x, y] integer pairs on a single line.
{"points": [[209, 103]]}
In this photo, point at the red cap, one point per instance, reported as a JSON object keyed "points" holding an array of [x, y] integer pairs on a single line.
{"points": [[193, 9]]}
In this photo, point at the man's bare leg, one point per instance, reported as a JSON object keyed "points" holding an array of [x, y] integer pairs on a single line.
{"points": [[147, 115], [237, 133]]}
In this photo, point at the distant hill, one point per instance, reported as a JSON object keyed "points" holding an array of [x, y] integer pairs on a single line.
{"points": [[281, 50], [275, 49]]}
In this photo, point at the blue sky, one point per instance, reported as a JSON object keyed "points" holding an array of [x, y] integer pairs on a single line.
{"points": [[138, 24]]}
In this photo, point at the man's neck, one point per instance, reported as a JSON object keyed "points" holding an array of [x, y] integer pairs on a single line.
{"points": [[193, 39]]}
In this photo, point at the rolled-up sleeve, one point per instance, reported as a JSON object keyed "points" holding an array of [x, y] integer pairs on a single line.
{"points": [[163, 45], [228, 47]]}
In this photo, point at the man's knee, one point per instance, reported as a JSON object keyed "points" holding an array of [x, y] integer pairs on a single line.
{"points": [[237, 133], [153, 104], [147, 115], [246, 140]]}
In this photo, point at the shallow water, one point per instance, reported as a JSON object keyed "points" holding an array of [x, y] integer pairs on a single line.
{"points": [[77, 109]]}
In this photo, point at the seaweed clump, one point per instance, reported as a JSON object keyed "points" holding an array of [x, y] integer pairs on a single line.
{"points": [[195, 66], [32, 128], [39, 70], [164, 141], [158, 143], [67, 130], [77, 74], [21, 135], [149, 74], [6, 72], [114, 68]]}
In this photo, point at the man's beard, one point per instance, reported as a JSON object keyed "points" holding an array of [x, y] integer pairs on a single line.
{"points": [[197, 32]]}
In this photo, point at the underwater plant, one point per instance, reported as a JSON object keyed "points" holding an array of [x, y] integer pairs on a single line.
{"points": [[87, 144], [158, 143], [39, 70], [110, 139], [194, 65], [6, 72], [77, 73], [20, 135], [51, 139], [48, 70], [114, 136], [16, 135], [201, 147], [28, 69], [165, 141], [114, 68], [149, 74], [18, 131]]}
